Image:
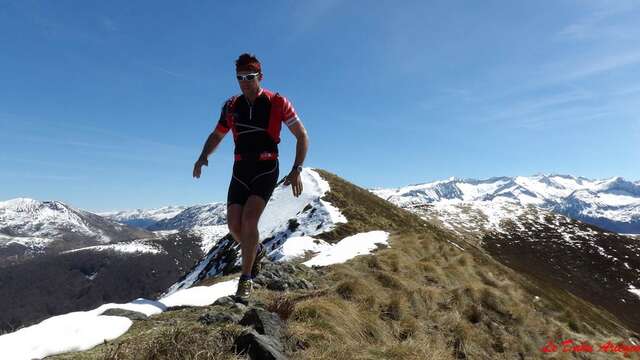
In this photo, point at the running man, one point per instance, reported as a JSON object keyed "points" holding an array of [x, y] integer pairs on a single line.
{"points": [[255, 119]]}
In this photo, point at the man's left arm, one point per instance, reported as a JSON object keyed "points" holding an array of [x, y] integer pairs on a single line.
{"points": [[302, 145]]}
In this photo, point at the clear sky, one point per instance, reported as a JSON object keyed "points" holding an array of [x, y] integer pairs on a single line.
{"points": [[106, 104]]}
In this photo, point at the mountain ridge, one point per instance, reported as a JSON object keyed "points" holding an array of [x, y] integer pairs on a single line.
{"points": [[429, 294], [612, 203]]}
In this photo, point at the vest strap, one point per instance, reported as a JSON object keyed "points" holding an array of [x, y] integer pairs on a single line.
{"points": [[261, 156]]}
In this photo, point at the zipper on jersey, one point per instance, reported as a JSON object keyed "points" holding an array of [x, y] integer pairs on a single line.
{"points": [[250, 107]]}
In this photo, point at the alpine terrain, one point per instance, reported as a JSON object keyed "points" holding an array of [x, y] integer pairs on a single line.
{"points": [[351, 275]]}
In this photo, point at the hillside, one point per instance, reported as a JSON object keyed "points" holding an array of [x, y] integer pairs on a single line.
{"points": [[84, 278], [595, 264], [427, 295]]}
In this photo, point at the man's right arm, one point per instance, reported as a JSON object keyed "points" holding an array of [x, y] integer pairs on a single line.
{"points": [[209, 146], [222, 127]]}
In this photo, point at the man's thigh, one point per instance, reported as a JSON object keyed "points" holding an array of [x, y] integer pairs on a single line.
{"points": [[252, 210]]}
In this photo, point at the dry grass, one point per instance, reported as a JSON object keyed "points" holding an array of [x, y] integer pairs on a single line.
{"points": [[191, 341], [421, 298], [173, 335]]}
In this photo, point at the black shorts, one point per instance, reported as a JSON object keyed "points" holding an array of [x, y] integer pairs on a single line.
{"points": [[252, 177]]}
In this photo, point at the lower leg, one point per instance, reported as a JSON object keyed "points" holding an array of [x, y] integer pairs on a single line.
{"points": [[234, 222], [249, 240], [249, 235]]}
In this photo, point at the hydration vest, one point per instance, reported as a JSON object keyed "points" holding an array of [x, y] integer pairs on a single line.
{"points": [[275, 117]]}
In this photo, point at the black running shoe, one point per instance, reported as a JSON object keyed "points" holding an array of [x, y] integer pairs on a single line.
{"points": [[245, 287]]}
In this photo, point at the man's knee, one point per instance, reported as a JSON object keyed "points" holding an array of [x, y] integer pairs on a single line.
{"points": [[235, 229], [251, 213], [249, 223]]}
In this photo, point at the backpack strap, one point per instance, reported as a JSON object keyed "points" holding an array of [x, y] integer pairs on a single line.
{"points": [[228, 112], [276, 117]]}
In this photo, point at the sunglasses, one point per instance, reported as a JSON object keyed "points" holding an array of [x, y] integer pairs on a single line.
{"points": [[247, 77]]}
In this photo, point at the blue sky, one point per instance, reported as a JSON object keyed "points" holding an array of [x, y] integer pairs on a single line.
{"points": [[106, 105]]}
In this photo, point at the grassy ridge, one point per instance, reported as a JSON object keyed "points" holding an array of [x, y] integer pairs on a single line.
{"points": [[420, 298]]}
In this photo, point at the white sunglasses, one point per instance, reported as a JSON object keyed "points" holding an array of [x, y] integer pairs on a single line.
{"points": [[247, 76]]}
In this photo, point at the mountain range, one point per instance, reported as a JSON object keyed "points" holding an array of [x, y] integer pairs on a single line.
{"points": [[612, 204], [456, 244]]}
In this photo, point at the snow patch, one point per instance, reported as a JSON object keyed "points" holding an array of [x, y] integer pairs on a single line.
{"points": [[349, 247], [297, 246], [210, 235], [133, 247]]}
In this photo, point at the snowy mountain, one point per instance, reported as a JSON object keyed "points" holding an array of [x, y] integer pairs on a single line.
{"points": [[85, 277], [613, 204], [416, 282], [172, 217], [29, 227], [194, 216], [143, 218], [50, 251]]}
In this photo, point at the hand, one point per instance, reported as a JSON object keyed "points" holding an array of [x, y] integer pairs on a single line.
{"points": [[294, 180], [197, 168]]}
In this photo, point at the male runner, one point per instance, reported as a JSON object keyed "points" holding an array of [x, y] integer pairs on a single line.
{"points": [[255, 118]]}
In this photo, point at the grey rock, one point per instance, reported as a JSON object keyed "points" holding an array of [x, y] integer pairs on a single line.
{"points": [[304, 284], [219, 317], [225, 301], [133, 315], [259, 347], [277, 285], [239, 307], [265, 322]]}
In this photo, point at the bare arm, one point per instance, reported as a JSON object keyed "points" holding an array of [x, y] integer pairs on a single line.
{"points": [[302, 145], [210, 145]]}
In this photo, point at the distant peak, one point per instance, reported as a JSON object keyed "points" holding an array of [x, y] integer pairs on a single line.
{"points": [[19, 202], [550, 175]]}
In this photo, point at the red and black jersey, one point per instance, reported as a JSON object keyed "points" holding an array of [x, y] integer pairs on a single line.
{"points": [[256, 127]]}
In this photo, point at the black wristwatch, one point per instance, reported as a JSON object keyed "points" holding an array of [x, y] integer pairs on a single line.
{"points": [[299, 168]]}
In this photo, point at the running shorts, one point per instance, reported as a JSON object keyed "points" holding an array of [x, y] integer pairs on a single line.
{"points": [[252, 177]]}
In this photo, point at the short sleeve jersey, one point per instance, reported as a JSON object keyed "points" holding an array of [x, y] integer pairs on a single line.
{"points": [[256, 127]]}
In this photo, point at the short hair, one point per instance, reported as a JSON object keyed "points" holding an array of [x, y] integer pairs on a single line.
{"points": [[248, 62]]}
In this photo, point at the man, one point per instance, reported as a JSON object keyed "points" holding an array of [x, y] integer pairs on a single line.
{"points": [[255, 118]]}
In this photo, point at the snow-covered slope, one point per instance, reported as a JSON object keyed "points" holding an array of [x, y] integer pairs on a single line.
{"points": [[287, 228], [143, 218], [284, 217], [613, 204], [46, 219], [172, 217], [35, 226], [194, 216]]}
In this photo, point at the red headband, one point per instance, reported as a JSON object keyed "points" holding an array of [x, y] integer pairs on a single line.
{"points": [[252, 66]]}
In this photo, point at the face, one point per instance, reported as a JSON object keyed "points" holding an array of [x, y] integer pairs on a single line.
{"points": [[249, 86]]}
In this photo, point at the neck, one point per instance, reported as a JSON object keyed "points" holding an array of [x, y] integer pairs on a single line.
{"points": [[252, 95]]}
